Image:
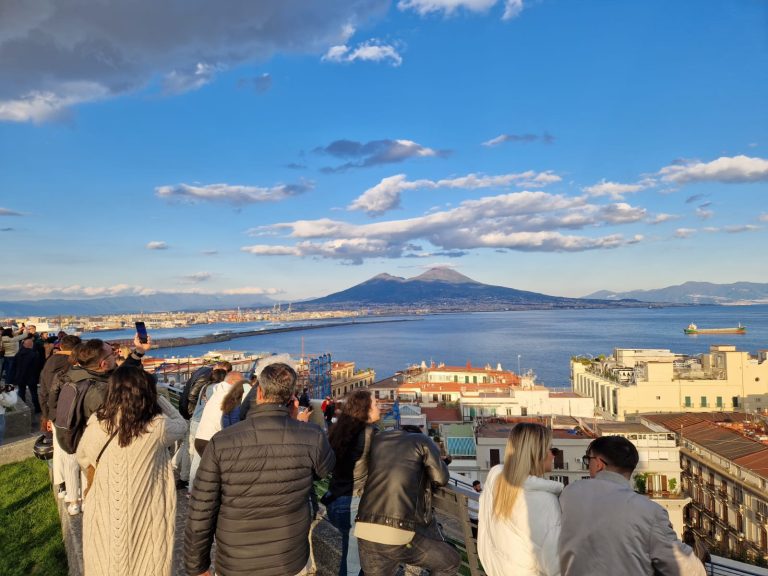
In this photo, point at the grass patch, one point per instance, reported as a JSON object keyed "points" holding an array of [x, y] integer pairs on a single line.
{"points": [[30, 529]]}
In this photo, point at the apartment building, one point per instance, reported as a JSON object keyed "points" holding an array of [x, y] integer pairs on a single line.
{"points": [[724, 460], [632, 382], [345, 378]]}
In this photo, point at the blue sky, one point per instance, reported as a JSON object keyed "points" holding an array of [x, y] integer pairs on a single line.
{"points": [[294, 149]]}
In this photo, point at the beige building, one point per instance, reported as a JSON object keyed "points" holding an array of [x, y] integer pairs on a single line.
{"points": [[345, 378], [724, 461], [631, 381]]}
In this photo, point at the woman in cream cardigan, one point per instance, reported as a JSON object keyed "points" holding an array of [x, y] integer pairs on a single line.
{"points": [[129, 512], [519, 518]]}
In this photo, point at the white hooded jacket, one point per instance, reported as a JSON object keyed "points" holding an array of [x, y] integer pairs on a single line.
{"points": [[526, 544]]}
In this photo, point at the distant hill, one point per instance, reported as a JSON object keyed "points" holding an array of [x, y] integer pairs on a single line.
{"points": [[696, 293], [131, 304], [445, 289]]}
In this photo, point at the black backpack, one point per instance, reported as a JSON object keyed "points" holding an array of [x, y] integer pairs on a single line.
{"points": [[70, 413], [188, 400]]}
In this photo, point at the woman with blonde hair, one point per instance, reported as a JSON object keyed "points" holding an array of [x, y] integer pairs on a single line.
{"points": [[519, 519]]}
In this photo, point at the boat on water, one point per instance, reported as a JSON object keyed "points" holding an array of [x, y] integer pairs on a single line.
{"points": [[693, 329]]}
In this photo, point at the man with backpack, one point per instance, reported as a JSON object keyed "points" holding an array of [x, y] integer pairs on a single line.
{"points": [[57, 363], [82, 390]]}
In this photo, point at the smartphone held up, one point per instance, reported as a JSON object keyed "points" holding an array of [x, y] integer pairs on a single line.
{"points": [[141, 330]]}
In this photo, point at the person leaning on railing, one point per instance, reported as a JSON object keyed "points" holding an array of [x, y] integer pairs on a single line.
{"points": [[608, 528]]}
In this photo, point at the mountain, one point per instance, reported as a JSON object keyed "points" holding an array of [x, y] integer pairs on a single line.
{"points": [[696, 293], [167, 302], [444, 289]]}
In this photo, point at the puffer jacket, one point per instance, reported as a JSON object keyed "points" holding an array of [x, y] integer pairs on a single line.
{"points": [[525, 544], [402, 468], [252, 489]]}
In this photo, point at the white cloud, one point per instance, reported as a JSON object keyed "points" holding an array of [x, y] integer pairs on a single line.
{"points": [[703, 213], [386, 194], [738, 229], [157, 245], [684, 232], [763, 217], [524, 138], [448, 7], [77, 291], [614, 189], [512, 9], [43, 105], [232, 193], [661, 218], [9, 212], [198, 277], [526, 221], [54, 55], [736, 169], [375, 152], [180, 81], [369, 51]]}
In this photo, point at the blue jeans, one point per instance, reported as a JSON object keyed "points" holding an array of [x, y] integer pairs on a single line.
{"points": [[341, 513], [2, 427], [438, 556]]}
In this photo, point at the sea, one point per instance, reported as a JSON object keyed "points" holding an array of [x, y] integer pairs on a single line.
{"points": [[542, 341]]}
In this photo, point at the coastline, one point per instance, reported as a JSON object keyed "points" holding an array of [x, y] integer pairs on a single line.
{"points": [[181, 341]]}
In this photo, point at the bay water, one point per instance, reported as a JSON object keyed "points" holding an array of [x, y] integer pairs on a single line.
{"points": [[538, 340]]}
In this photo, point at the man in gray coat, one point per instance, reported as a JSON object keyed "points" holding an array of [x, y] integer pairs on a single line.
{"points": [[607, 528]]}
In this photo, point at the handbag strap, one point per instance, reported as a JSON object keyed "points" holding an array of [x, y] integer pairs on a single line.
{"points": [[105, 447]]}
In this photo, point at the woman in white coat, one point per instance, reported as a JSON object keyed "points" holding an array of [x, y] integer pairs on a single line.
{"points": [[519, 519]]}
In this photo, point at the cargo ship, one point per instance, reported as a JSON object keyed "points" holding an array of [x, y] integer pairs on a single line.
{"points": [[693, 329]]}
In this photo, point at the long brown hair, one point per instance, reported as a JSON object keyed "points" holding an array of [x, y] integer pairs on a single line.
{"points": [[354, 417], [130, 405]]}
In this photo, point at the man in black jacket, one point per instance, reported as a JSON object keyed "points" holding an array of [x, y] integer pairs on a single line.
{"points": [[394, 523], [253, 485]]}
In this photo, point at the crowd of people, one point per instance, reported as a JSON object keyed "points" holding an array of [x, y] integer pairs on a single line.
{"points": [[246, 455]]}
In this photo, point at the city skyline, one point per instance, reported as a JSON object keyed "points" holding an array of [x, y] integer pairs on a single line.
{"points": [[296, 150]]}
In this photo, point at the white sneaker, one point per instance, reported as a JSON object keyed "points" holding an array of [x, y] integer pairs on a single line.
{"points": [[74, 508]]}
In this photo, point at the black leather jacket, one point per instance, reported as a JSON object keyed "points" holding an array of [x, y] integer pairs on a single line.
{"points": [[402, 468]]}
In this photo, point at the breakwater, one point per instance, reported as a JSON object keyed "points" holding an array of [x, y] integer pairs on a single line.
{"points": [[181, 341]]}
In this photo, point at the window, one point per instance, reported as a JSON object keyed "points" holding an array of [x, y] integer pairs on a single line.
{"points": [[466, 379], [474, 379], [719, 402], [658, 397], [688, 402], [703, 401], [434, 397], [455, 378], [446, 397], [495, 457], [735, 401], [376, 394]]}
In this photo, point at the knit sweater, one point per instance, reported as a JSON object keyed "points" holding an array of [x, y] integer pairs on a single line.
{"points": [[130, 512]]}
